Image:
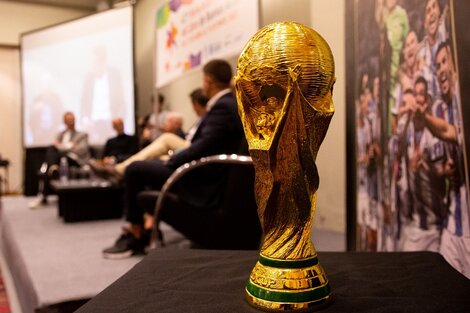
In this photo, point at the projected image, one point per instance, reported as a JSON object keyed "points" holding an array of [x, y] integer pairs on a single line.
{"points": [[103, 95], [84, 66]]}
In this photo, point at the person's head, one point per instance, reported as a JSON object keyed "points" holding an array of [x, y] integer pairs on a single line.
{"points": [[173, 122], [408, 98], [118, 125], [432, 13], [69, 120], [199, 101], [444, 68], [410, 49], [217, 75], [421, 92], [390, 4]]}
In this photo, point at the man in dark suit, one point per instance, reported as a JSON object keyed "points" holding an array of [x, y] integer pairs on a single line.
{"points": [[121, 146], [220, 131]]}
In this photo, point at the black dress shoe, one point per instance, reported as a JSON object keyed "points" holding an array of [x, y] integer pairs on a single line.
{"points": [[126, 246]]}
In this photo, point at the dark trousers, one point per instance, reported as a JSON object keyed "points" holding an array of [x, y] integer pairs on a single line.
{"points": [[139, 176], [52, 157]]}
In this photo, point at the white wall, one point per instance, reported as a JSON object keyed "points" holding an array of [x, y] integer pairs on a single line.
{"points": [[144, 32], [10, 118], [281, 10], [16, 18], [328, 19]]}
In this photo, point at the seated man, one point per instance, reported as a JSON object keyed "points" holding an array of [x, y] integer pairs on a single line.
{"points": [[69, 143], [120, 147], [172, 123], [170, 141], [220, 131], [153, 126]]}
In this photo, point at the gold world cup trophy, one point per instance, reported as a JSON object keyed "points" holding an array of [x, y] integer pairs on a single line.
{"points": [[284, 85]]}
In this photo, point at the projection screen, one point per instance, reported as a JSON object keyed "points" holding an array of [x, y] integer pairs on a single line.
{"points": [[84, 66]]}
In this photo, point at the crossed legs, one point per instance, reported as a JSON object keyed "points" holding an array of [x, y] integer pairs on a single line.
{"points": [[159, 147]]}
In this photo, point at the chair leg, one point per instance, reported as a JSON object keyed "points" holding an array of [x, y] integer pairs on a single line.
{"points": [[156, 238]]}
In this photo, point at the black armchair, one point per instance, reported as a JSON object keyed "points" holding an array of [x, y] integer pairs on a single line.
{"points": [[226, 218]]}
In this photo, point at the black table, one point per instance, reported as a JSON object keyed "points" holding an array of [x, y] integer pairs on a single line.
{"points": [[171, 280], [88, 199]]}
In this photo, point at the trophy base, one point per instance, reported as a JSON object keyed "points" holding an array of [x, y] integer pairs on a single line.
{"points": [[271, 306], [288, 285]]}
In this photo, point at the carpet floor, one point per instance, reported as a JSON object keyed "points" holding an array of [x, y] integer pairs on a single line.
{"points": [[52, 262], [4, 305]]}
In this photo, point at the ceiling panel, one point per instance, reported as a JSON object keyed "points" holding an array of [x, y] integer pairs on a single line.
{"points": [[91, 5]]}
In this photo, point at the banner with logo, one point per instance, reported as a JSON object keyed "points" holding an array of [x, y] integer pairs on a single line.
{"points": [[191, 32]]}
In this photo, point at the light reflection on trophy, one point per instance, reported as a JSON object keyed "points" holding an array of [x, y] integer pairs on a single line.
{"points": [[284, 90]]}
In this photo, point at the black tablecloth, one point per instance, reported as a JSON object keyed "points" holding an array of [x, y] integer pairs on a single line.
{"points": [[205, 281]]}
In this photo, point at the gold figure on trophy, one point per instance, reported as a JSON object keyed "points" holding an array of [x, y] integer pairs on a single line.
{"points": [[284, 90]]}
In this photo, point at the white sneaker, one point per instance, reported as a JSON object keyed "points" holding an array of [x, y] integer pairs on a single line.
{"points": [[38, 202]]}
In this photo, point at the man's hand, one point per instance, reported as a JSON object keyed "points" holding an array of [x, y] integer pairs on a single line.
{"points": [[109, 160]]}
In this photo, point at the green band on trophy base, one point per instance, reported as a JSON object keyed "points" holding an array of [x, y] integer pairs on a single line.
{"points": [[274, 306], [316, 294]]}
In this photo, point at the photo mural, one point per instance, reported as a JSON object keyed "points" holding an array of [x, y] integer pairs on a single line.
{"points": [[410, 160]]}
